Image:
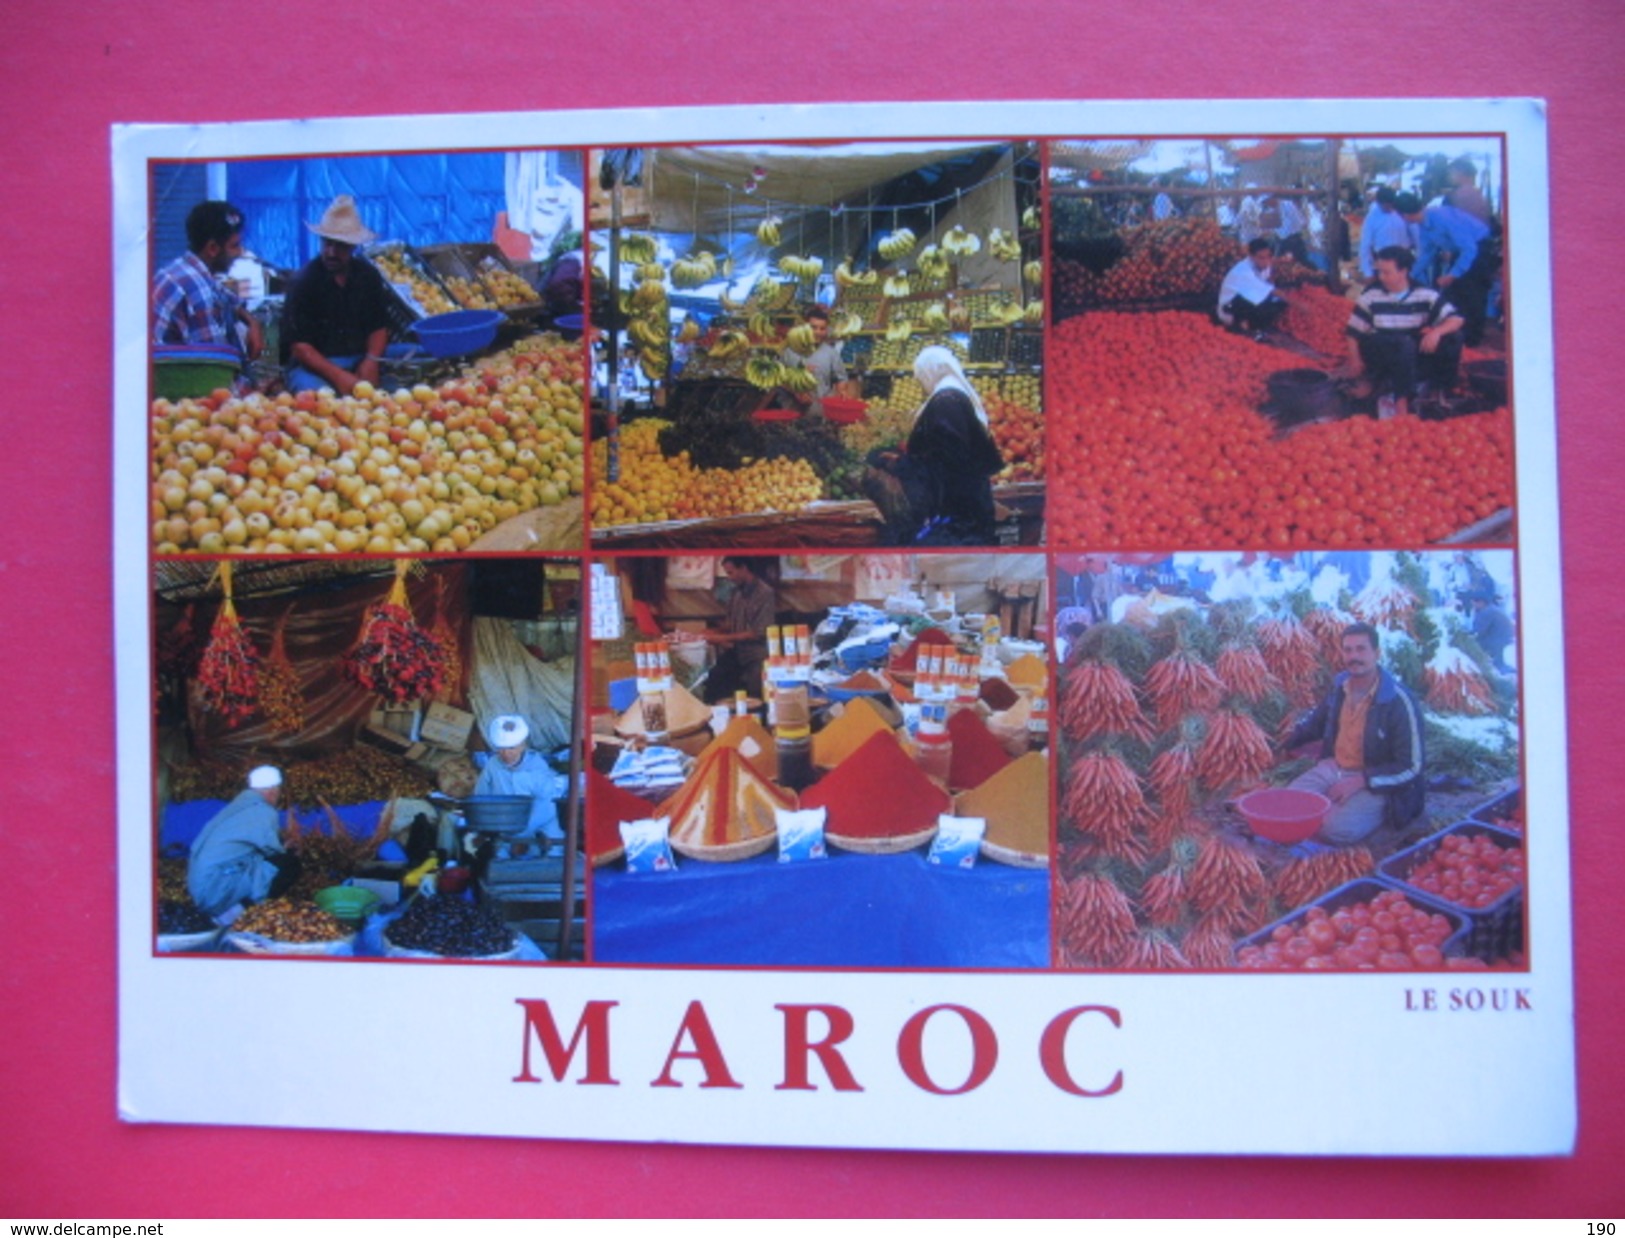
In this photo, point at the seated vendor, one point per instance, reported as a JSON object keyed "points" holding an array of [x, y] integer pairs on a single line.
{"points": [[335, 322], [239, 857], [1402, 335], [1247, 297], [1370, 735], [517, 769]]}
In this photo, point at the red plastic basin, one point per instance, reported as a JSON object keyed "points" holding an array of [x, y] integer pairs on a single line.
{"points": [[1283, 815]]}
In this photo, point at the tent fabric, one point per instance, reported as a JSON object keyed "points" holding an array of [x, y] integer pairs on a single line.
{"points": [[844, 911], [418, 199], [506, 679]]}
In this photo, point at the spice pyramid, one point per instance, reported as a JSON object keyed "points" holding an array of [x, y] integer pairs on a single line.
{"points": [[859, 721], [877, 793], [1028, 671], [908, 659], [684, 712], [753, 742], [977, 754], [1015, 805], [725, 809]]}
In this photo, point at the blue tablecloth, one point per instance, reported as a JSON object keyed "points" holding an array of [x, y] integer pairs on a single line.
{"points": [[183, 822], [844, 911]]}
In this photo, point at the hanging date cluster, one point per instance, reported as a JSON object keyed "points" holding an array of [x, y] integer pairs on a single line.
{"points": [[228, 672], [395, 658]]}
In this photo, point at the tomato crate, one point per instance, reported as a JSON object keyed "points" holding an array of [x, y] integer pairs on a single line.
{"points": [[1494, 931], [1504, 811], [1363, 890]]}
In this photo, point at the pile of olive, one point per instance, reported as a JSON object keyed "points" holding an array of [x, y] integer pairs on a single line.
{"points": [[452, 927], [177, 917]]}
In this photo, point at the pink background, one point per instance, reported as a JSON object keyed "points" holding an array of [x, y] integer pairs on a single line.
{"points": [[68, 72]]}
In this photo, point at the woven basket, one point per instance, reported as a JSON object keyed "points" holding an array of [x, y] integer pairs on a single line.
{"points": [[1016, 859], [744, 849], [881, 846]]}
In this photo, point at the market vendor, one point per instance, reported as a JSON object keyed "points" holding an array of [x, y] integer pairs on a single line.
{"points": [[1247, 297], [335, 322], [1401, 333], [1492, 627], [946, 467], [823, 363], [1384, 227], [741, 642], [190, 304], [517, 769], [1370, 735], [239, 857], [1458, 253]]}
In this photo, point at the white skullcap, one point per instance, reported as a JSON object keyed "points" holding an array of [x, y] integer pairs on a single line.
{"points": [[507, 731], [264, 777]]}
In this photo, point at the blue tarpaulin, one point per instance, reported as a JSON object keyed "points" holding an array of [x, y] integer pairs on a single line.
{"points": [[185, 821], [844, 911]]}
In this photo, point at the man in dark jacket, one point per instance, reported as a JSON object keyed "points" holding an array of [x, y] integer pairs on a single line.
{"points": [[1370, 733]]}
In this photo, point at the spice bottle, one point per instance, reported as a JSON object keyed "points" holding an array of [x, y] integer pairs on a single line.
{"points": [[1038, 723], [933, 746], [740, 706]]}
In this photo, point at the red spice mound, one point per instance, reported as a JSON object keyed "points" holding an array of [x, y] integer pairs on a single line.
{"points": [[863, 681], [877, 792], [977, 755], [998, 694], [607, 806]]}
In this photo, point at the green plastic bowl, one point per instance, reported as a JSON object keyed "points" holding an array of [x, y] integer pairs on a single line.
{"points": [[348, 903]]}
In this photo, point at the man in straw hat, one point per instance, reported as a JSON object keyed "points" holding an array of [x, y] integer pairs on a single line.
{"points": [[336, 322], [239, 856]]}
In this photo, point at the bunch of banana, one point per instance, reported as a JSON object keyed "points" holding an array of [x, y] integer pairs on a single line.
{"points": [[693, 271], [1008, 313], [899, 329], [1031, 217], [804, 269], [729, 305], [648, 333], [896, 285], [846, 278], [801, 339], [796, 379], [895, 245], [648, 296], [765, 372], [961, 242], [761, 326], [1003, 246], [1033, 272], [934, 264], [689, 331], [651, 273], [935, 318], [959, 318], [654, 364], [767, 232], [639, 248], [846, 324], [729, 344], [1034, 313]]}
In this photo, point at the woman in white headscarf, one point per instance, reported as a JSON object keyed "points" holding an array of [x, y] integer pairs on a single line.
{"points": [[947, 465]]}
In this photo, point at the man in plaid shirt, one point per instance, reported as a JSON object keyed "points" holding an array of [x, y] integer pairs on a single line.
{"points": [[189, 303]]}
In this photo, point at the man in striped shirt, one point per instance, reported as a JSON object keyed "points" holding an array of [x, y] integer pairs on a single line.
{"points": [[1401, 332]]}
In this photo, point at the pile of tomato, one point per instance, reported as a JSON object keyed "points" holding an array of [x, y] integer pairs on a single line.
{"points": [[1155, 440], [1384, 933], [1470, 871]]}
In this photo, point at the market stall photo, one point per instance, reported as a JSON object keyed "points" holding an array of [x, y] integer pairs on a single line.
{"points": [[368, 354], [367, 758], [1293, 343], [1298, 761], [834, 345], [821, 760]]}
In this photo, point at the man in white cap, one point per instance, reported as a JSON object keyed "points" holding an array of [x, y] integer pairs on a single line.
{"points": [[516, 769], [239, 855], [335, 322]]}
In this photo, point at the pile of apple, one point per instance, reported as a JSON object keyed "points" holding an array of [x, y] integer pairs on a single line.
{"points": [[376, 472]]}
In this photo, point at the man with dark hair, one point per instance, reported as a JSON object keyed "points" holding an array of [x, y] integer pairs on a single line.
{"points": [[1384, 228], [1400, 332], [189, 303], [335, 322], [1247, 299], [1370, 734], [752, 608], [824, 362], [1459, 253]]}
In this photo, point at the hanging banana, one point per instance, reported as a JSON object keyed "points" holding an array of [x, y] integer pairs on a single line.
{"points": [[1032, 218], [761, 326], [899, 329], [767, 232], [1003, 246], [689, 331], [801, 339], [935, 318], [961, 242], [896, 244], [1034, 314], [1034, 272], [934, 264], [846, 324], [729, 344], [639, 248], [764, 372], [794, 378], [896, 285]]}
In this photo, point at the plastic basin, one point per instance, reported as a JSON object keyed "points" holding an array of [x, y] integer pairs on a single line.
{"points": [[1283, 815], [844, 412], [462, 331]]}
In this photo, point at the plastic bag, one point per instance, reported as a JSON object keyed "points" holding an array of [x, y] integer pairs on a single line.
{"points": [[958, 841], [647, 848], [801, 834]]}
